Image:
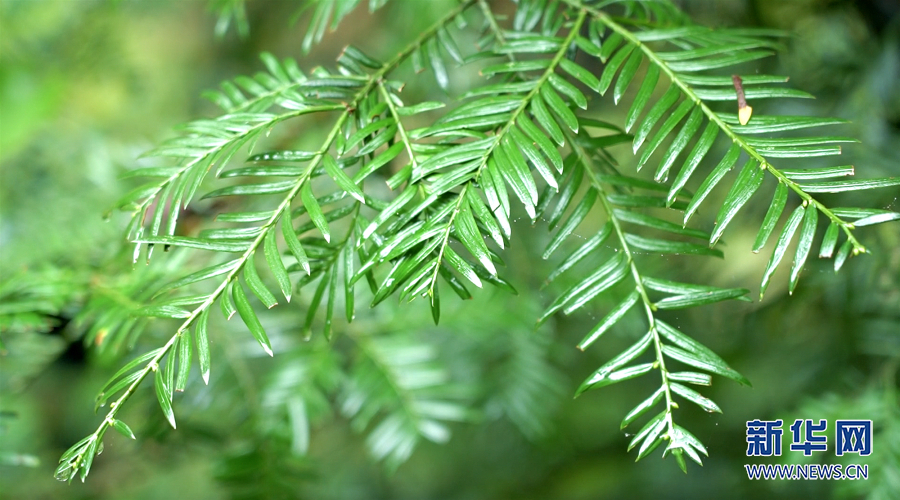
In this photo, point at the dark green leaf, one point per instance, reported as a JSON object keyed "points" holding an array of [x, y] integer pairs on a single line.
{"points": [[858, 213], [706, 140], [611, 268], [519, 171], [853, 185], [772, 216], [587, 46], [696, 354], [170, 312], [500, 88], [726, 81], [610, 45], [700, 298], [199, 243], [265, 171], [184, 360], [456, 155], [583, 251], [596, 287], [807, 232], [329, 304], [655, 223], [544, 119], [437, 64], [276, 265], [567, 89], [799, 152], [249, 317], [609, 320], [515, 67], [710, 182], [227, 303], [151, 172], [341, 179], [314, 211], [580, 73], [633, 201], [718, 61], [695, 397], [484, 214], [620, 375], [626, 75], [767, 142], [534, 156], [164, 396], [314, 304], [811, 174], [131, 365], [288, 156], [468, 234], [652, 428], [877, 219], [379, 161], [203, 345], [252, 189], [570, 187], [395, 206], [624, 180], [678, 144], [653, 116], [746, 184], [761, 124], [123, 428], [614, 364], [256, 285], [691, 378], [667, 127], [245, 216], [613, 66], [137, 194], [114, 385], [643, 96], [677, 288], [541, 141], [786, 234], [461, 266], [449, 45], [347, 263], [501, 167], [642, 407], [290, 238], [419, 108], [842, 255], [559, 107], [575, 218], [829, 241], [530, 44], [231, 233], [674, 247], [751, 93]]}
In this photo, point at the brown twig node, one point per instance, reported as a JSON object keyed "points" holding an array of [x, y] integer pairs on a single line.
{"points": [[744, 111]]}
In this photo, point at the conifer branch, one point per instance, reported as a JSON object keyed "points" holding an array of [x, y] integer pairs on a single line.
{"points": [[847, 227], [80, 456], [648, 307]]}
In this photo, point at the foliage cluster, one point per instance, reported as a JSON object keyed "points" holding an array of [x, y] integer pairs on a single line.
{"points": [[401, 199]]}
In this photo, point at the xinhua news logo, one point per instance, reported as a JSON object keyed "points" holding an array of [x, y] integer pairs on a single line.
{"points": [[764, 438]]}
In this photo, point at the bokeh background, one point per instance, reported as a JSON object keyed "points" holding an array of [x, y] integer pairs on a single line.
{"points": [[87, 85]]}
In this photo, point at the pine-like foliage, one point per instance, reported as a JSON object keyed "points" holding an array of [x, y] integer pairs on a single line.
{"points": [[319, 219]]}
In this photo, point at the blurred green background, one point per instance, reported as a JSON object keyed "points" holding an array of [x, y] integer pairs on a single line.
{"points": [[86, 86]]}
